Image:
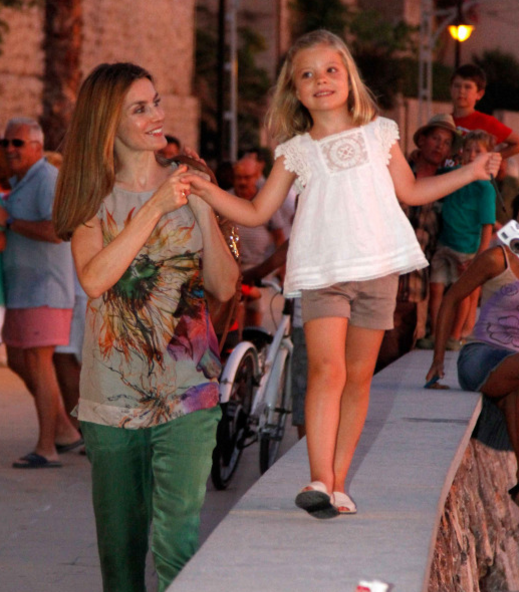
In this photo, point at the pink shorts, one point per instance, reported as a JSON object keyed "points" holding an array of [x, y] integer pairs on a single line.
{"points": [[37, 327]]}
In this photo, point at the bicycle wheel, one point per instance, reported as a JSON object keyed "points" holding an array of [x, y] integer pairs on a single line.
{"points": [[272, 433], [233, 427]]}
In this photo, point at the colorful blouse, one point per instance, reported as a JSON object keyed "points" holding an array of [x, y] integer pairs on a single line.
{"points": [[150, 354]]}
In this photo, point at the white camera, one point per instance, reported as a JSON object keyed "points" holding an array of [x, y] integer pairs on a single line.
{"points": [[509, 235]]}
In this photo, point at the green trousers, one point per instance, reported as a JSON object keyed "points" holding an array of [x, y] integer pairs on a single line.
{"points": [[149, 476]]}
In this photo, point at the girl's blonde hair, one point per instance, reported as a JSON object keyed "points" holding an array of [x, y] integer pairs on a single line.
{"points": [[481, 137], [87, 174], [287, 116]]}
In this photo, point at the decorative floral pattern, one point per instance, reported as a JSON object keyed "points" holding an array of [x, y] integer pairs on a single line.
{"points": [[344, 151], [151, 354]]}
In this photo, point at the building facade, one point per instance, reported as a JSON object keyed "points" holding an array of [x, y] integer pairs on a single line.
{"points": [[158, 36]]}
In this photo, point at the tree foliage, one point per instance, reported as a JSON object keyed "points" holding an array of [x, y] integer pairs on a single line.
{"points": [[253, 86], [502, 70], [377, 45]]}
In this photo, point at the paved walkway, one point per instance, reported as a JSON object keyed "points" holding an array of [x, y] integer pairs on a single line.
{"points": [[47, 534]]}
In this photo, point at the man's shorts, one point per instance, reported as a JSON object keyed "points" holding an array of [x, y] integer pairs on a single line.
{"points": [[447, 265], [369, 304], [41, 326]]}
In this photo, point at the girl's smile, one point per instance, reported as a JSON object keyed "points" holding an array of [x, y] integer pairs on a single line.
{"points": [[321, 78]]}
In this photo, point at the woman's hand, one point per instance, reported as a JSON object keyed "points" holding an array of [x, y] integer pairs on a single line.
{"points": [[486, 166], [199, 206], [172, 194]]}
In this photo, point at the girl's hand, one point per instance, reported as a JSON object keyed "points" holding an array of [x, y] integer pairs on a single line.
{"points": [[172, 194], [486, 165], [199, 184], [435, 370]]}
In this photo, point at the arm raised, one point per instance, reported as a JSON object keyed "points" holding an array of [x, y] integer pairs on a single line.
{"points": [[220, 270], [101, 267], [249, 213], [417, 192]]}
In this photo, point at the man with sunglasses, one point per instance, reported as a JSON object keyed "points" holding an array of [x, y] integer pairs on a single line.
{"points": [[38, 272]]}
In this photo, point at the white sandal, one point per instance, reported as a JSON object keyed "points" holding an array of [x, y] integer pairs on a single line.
{"points": [[316, 500], [343, 503]]}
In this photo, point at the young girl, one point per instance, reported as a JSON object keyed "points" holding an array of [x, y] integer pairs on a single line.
{"points": [[349, 242]]}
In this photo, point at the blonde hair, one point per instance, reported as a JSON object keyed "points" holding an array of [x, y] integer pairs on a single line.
{"points": [[482, 137], [87, 174], [288, 117]]}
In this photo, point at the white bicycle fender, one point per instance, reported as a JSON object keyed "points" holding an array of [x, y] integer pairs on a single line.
{"points": [[231, 365]]}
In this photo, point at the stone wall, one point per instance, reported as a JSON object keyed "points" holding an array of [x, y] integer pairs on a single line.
{"points": [[477, 547], [157, 35]]}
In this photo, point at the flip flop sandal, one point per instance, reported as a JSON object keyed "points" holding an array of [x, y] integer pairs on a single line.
{"points": [[61, 448], [315, 500], [33, 460], [343, 503]]}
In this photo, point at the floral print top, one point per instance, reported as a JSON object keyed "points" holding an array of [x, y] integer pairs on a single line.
{"points": [[150, 354]]}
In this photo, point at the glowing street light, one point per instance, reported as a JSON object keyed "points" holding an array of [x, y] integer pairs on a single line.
{"points": [[461, 32]]}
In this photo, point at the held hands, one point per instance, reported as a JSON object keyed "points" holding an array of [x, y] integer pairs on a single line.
{"points": [[172, 194], [486, 166]]}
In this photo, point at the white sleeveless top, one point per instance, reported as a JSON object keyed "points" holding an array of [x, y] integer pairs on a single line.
{"points": [[349, 225]]}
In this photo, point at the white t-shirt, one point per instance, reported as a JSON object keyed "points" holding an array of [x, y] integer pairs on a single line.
{"points": [[348, 225]]}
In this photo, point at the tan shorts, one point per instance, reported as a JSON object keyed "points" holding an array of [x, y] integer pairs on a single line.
{"points": [[447, 265], [369, 304]]}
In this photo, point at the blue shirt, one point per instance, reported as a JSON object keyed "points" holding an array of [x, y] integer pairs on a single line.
{"points": [[36, 273]]}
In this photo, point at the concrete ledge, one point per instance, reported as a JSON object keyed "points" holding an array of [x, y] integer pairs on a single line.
{"points": [[409, 452]]}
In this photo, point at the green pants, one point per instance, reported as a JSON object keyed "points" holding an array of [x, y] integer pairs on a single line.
{"points": [[154, 475]]}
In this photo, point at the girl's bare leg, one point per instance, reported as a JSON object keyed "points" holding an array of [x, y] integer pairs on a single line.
{"points": [[325, 342], [362, 347]]}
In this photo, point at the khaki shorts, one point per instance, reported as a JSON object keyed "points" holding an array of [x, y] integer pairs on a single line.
{"points": [[447, 265], [369, 304]]}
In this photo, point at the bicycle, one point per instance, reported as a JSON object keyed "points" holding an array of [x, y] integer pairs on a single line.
{"points": [[255, 396]]}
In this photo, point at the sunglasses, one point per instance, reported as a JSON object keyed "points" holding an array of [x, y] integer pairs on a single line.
{"points": [[16, 142]]}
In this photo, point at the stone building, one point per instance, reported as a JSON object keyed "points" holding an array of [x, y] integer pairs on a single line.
{"points": [[157, 35]]}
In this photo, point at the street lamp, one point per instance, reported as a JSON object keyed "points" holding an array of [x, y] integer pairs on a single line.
{"points": [[453, 17], [459, 31]]}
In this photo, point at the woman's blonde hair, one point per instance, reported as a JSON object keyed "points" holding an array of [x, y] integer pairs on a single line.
{"points": [[87, 174], [287, 116]]}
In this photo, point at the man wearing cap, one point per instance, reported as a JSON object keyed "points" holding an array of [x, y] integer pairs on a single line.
{"points": [[436, 141]]}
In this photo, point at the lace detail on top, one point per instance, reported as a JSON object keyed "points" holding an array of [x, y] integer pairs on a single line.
{"points": [[295, 160], [344, 152], [387, 132]]}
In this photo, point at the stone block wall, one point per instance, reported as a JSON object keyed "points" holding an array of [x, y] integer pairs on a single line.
{"points": [[477, 547], [157, 35]]}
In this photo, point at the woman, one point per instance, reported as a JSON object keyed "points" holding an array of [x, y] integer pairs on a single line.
{"points": [[148, 403], [489, 362]]}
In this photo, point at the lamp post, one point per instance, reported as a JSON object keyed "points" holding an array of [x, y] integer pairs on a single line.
{"points": [[227, 118], [453, 17]]}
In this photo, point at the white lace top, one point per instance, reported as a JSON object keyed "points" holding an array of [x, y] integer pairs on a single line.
{"points": [[348, 225]]}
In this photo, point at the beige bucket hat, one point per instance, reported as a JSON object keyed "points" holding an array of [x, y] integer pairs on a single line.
{"points": [[445, 121]]}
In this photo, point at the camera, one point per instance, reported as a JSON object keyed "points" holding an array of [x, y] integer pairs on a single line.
{"points": [[509, 235]]}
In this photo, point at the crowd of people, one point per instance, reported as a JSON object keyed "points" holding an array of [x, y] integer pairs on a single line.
{"points": [[119, 250]]}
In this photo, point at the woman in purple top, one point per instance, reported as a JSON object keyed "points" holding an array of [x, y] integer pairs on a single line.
{"points": [[489, 362]]}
